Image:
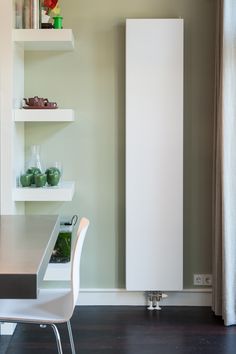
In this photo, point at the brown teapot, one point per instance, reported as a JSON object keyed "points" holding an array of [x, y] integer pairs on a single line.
{"points": [[36, 101]]}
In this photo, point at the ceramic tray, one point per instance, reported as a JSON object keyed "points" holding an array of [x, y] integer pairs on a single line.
{"points": [[39, 107]]}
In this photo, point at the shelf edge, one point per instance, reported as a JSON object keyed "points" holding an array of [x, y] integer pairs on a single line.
{"points": [[62, 193], [42, 115], [44, 39]]}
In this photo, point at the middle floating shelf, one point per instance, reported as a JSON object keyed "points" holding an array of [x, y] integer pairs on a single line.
{"points": [[44, 115]]}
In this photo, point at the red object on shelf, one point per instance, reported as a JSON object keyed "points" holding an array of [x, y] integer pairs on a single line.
{"points": [[51, 4]]}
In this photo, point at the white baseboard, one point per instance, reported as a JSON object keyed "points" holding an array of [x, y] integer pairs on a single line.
{"points": [[122, 297]]}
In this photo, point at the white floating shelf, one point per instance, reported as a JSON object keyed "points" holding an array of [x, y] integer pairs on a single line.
{"points": [[62, 193], [44, 39], [44, 115]]}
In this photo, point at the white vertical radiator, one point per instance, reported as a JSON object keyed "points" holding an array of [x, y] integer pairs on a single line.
{"points": [[154, 154]]}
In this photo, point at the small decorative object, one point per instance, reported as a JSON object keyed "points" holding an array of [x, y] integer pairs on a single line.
{"points": [[26, 179], [34, 176], [34, 165], [50, 9], [53, 176], [50, 6], [40, 179], [57, 165], [39, 103], [33, 171], [57, 24], [36, 101], [32, 14], [50, 105]]}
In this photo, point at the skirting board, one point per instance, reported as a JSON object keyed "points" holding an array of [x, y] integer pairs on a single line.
{"points": [[122, 297]]}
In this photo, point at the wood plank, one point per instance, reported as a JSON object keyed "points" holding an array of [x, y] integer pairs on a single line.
{"points": [[133, 330]]}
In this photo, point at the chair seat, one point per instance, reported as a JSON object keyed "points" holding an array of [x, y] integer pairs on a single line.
{"points": [[51, 306]]}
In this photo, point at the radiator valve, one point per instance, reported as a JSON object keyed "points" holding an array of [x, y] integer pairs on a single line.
{"points": [[154, 298]]}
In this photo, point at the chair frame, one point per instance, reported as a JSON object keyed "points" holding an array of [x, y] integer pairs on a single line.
{"points": [[77, 249]]}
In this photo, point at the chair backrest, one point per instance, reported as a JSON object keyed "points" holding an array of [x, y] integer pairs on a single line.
{"points": [[76, 255]]}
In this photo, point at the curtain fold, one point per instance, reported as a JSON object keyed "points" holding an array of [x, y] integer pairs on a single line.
{"points": [[224, 168]]}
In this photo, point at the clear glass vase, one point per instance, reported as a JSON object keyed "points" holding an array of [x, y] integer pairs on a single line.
{"points": [[35, 159]]}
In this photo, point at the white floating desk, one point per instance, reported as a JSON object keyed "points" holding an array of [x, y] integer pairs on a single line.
{"points": [[26, 245]]}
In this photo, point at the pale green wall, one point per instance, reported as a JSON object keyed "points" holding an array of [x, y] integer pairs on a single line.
{"points": [[92, 79]]}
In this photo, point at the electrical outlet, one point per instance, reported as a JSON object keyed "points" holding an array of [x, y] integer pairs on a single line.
{"points": [[202, 279], [197, 279], [207, 279]]}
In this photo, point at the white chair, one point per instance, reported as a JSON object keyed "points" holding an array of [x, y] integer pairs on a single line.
{"points": [[54, 304]]}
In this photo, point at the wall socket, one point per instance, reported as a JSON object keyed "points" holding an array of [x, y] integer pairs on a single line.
{"points": [[202, 279]]}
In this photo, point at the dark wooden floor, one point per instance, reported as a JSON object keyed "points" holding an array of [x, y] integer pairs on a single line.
{"points": [[131, 330]]}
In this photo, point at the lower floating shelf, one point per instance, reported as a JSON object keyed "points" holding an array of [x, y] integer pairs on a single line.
{"points": [[62, 193]]}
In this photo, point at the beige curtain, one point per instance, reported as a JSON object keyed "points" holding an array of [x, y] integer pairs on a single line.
{"points": [[224, 169]]}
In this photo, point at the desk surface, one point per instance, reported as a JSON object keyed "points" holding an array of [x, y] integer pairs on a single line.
{"points": [[26, 244]]}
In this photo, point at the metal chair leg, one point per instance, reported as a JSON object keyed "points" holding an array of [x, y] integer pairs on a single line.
{"points": [[72, 344], [58, 339]]}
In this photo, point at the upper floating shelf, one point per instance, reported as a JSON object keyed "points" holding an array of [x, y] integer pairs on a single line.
{"points": [[44, 39]]}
